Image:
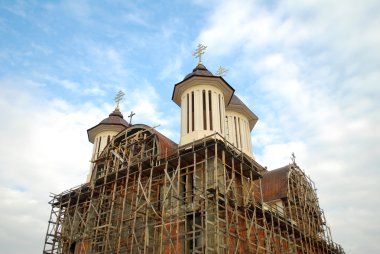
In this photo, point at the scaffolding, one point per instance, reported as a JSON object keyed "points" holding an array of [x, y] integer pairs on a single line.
{"points": [[205, 197]]}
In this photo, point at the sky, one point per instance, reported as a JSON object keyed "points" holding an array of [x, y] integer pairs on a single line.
{"points": [[310, 70]]}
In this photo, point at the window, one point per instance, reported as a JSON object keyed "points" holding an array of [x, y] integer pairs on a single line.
{"points": [[236, 133], [100, 141], [99, 171], [192, 110], [227, 128], [220, 116], [210, 108], [188, 109], [204, 110], [241, 144]]}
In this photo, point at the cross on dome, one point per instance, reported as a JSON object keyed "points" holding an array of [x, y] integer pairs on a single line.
{"points": [[119, 96], [199, 52], [293, 158], [221, 71], [130, 117]]}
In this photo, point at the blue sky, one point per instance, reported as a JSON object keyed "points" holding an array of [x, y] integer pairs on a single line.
{"points": [[308, 69]]}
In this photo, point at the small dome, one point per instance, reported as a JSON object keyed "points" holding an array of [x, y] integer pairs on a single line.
{"points": [[199, 70], [114, 121], [275, 183], [115, 118]]}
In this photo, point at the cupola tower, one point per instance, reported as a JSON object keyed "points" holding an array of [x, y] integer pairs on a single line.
{"points": [[203, 98], [101, 134], [240, 121]]}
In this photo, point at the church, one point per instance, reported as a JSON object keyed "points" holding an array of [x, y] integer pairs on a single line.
{"points": [[207, 194]]}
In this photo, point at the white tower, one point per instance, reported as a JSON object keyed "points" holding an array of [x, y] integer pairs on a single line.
{"points": [[240, 121], [203, 98], [208, 106]]}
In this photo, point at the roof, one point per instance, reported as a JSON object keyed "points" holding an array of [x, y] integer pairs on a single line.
{"points": [[235, 102], [165, 143], [114, 119], [199, 70], [275, 184], [166, 146]]}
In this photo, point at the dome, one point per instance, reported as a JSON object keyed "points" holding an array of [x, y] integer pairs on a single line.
{"points": [[275, 183], [115, 118], [199, 70], [114, 121]]}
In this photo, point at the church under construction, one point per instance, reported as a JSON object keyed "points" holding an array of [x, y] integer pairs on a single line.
{"points": [[207, 194]]}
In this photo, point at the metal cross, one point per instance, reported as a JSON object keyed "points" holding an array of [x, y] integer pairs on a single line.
{"points": [[293, 158], [118, 98], [221, 71], [130, 117], [199, 52]]}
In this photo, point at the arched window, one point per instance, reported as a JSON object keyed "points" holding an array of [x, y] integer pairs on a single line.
{"points": [[220, 116], [227, 128], [241, 144], [236, 133], [188, 112], [100, 141], [192, 111], [204, 110]]}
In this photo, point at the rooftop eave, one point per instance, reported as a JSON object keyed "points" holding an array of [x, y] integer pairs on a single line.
{"points": [[92, 132]]}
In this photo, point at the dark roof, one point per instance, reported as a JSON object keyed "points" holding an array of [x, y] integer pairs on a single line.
{"points": [[236, 101], [275, 184], [199, 70], [116, 118]]}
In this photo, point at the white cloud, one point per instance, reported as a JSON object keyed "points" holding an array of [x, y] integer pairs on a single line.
{"points": [[106, 59], [95, 90], [277, 155], [315, 82], [21, 212], [43, 141], [137, 16], [79, 9], [173, 67], [144, 101]]}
